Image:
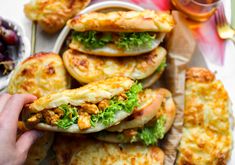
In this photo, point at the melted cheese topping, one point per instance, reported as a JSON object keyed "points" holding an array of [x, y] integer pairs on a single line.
{"points": [[206, 136]]}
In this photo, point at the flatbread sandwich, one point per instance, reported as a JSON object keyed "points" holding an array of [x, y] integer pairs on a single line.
{"points": [[90, 108], [148, 125], [119, 33]]}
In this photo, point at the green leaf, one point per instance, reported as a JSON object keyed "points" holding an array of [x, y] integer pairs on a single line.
{"points": [[129, 41], [107, 116], [92, 39], [70, 116], [106, 37], [162, 66], [151, 134]]}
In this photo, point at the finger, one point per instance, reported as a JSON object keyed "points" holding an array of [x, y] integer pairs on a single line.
{"points": [[26, 140], [12, 109], [3, 99], [15, 104]]}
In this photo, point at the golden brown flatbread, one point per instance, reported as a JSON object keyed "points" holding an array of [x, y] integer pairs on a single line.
{"points": [[88, 68], [82, 151], [123, 21], [92, 93], [53, 14], [38, 151], [152, 79], [207, 137], [40, 74]]}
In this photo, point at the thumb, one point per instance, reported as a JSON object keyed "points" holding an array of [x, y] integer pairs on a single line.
{"points": [[26, 140]]}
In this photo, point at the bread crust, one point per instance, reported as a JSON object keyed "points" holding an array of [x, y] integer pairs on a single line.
{"points": [[38, 151], [85, 151], [92, 93], [168, 107], [87, 68], [123, 21], [150, 80], [207, 135], [199, 75], [31, 76], [53, 14]]}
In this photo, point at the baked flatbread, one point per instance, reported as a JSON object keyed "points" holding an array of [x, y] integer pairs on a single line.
{"points": [[149, 81], [38, 151], [93, 93], [53, 14], [87, 68], [123, 21], [32, 75], [81, 151], [207, 137]]}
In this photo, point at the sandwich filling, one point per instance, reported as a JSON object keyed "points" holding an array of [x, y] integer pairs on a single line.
{"points": [[150, 134], [162, 66], [89, 114], [126, 41]]}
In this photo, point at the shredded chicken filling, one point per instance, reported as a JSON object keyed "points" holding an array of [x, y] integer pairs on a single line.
{"points": [[52, 116]]}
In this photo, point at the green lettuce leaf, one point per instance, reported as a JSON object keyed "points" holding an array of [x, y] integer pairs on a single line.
{"points": [[126, 41], [70, 116], [148, 135], [162, 66], [151, 134], [92, 39], [129, 41], [106, 117]]}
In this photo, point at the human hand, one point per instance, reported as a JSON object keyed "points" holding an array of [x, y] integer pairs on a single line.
{"points": [[12, 151]]}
